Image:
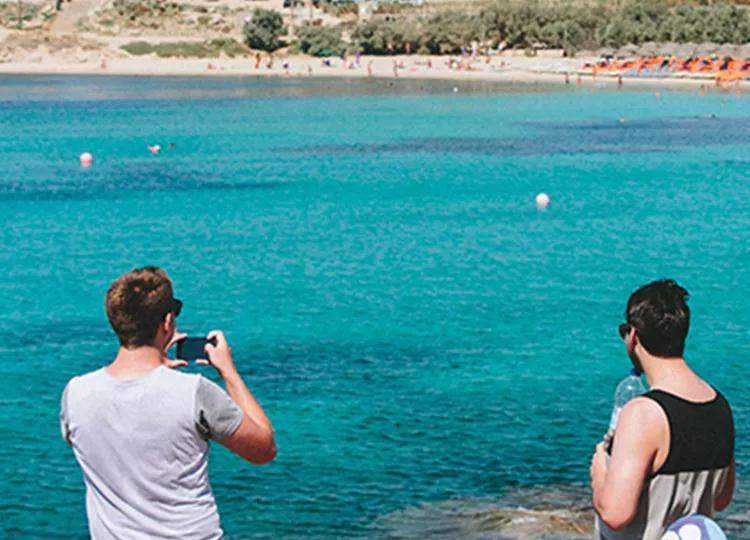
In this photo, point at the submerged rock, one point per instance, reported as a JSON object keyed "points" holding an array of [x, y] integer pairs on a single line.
{"points": [[549, 513], [520, 523]]}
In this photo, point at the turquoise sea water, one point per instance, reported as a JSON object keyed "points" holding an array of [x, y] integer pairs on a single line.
{"points": [[421, 336]]}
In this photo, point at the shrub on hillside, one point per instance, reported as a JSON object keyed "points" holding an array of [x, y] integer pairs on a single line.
{"points": [[9, 13], [264, 30], [212, 48]]}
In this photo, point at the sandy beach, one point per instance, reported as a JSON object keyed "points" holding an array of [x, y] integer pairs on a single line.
{"points": [[82, 54]]}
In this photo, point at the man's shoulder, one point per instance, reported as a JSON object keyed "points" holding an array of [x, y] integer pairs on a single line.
{"points": [[85, 378], [99, 378], [181, 377], [644, 414], [644, 409], [176, 373]]}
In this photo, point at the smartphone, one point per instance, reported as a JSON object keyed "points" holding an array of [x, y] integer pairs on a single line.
{"points": [[193, 348]]}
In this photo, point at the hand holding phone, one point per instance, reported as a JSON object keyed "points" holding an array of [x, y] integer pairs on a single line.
{"points": [[191, 349], [220, 354]]}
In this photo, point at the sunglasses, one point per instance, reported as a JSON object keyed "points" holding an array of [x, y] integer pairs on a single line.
{"points": [[624, 329], [176, 307]]}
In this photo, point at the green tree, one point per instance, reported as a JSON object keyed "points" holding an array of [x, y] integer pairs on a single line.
{"points": [[315, 39], [264, 30], [638, 22], [447, 33], [385, 36]]}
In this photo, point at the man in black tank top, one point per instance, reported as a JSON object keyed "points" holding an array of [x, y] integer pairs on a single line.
{"points": [[673, 450]]}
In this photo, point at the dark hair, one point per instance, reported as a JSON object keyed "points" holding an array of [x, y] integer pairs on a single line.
{"points": [[661, 317], [137, 303]]}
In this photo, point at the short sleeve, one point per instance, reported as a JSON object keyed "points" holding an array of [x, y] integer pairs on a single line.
{"points": [[64, 429], [216, 415]]}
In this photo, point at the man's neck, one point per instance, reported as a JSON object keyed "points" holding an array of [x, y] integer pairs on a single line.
{"points": [[132, 363], [660, 372]]}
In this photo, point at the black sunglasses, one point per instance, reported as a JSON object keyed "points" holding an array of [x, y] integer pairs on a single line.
{"points": [[176, 307], [624, 329]]}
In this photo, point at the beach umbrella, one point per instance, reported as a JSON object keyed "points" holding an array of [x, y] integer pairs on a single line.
{"points": [[686, 50], [727, 49], [648, 49], [707, 49], [743, 51], [668, 49], [627, 50]]}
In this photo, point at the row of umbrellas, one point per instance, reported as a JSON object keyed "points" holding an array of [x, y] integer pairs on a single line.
{"points": [[651, 48]]}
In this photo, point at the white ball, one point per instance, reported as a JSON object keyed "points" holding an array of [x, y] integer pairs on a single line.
{"points": [[86, 159], [542, 200]]}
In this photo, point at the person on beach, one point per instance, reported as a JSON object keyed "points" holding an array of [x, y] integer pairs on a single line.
{"points": [[672, 454], [140, 429]]}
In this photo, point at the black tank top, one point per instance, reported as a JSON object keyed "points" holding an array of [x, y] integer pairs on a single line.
{"points": [[701, 434]]}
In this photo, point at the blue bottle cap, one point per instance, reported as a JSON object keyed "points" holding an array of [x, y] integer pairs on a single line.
{"points": [[634, 372]]}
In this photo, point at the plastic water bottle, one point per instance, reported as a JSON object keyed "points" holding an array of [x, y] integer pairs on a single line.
{"points": [[630, 387]]}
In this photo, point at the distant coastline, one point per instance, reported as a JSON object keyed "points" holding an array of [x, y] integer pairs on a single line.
{"points": [[501, 68]]}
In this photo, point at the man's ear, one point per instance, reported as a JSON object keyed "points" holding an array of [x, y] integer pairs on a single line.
{"points": [[168, 322], [634, 341]]}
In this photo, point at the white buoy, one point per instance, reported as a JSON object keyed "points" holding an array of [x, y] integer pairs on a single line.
{"points": [[86, 159], [542, 201]]}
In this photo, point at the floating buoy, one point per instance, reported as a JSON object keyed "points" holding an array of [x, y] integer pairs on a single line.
{"points": [[154, 149], [86, 159], [542, 201]]}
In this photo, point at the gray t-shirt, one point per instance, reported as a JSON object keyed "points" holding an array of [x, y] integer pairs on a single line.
{"points": [[216, 415], [142, 446]]}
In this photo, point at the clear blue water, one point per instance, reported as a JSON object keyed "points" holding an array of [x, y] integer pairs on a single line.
{"points": [[418, 332]]}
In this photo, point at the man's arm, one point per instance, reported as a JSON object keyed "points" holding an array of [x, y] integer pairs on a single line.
{"points": [[253, 440], [617, 486], [724, 497]]}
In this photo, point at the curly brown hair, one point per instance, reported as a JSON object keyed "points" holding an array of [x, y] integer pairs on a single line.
{"points": [[137, 303]]}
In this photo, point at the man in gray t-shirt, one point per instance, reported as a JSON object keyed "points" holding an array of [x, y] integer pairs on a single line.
{"points": [[140, 429]]}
